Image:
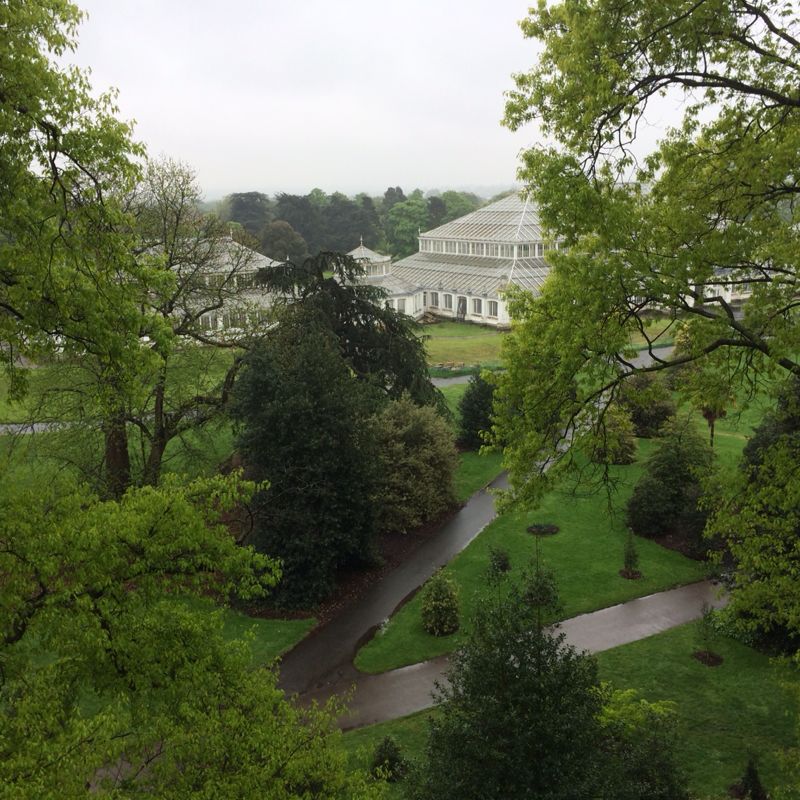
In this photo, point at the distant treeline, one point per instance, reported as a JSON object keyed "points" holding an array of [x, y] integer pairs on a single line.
{"points": [[292, 227]]}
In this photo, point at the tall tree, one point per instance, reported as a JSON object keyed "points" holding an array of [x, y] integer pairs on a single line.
{"points": [[404, 223], [306, 217], [252, 210], [380, 345], [192, 368], [281, 242], [457, 204], [718, 211], [302, 417], [69, 276]]}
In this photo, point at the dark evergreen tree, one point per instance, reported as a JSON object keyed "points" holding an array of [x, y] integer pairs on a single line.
{"points": [[380, 345], [342, 224], [392, 196], [518, 718], [666, 497], [437, 211], [300, 413], [305, 216], [522, 716], [369, 224], [475, 408]]}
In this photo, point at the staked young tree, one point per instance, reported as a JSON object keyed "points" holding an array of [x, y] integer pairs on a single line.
{"points": [[712, 208]]}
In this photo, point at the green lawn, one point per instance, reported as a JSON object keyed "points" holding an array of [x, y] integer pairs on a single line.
{"points": [[462, 343], [660, 331], [475, 471], [268, 638], [586, 555], [723, 713]]}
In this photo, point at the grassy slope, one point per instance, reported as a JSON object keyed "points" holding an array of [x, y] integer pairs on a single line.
{"points": [[586, 556], [462, 342], [723, 713]]}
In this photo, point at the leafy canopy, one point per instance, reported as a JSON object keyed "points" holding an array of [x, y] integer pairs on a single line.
{"points": [[711, 209]]}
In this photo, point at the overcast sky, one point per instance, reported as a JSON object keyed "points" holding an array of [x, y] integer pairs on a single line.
{"points": [[352, 95]]}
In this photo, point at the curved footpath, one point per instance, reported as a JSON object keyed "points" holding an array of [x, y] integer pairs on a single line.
{"points": [[378, 698], [325, 658]]}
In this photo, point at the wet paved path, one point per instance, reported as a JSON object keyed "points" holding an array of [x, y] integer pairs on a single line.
{"points": [[325, 657], [403, 691], [322, 664]]}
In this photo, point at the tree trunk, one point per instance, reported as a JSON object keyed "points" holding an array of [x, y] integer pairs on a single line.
{"points": [[152, 467], [117, 458]]}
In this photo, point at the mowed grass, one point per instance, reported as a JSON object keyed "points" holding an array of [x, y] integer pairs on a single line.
{"points": [[462, 343], [586, 556], [475, 471], [723, 713], [268, 638]]}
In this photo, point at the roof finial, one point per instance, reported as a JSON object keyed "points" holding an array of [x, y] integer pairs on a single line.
{"points": [[362, 239]]}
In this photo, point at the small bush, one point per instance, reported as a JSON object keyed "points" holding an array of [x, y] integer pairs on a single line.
{"points": [[499, 564], [440, 608], [387, 760]]}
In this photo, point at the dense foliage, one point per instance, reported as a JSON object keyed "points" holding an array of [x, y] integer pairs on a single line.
{"points": [[416, 464], [302, 416], [616, 443], [523, 716], [290, 226], [380, 345], [666, 497], [475, 409], [708, 215], [440, 606], [648, 402]]}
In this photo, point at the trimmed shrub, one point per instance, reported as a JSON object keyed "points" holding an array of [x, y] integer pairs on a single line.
{"points": [[417, 461], [440, 607], [387, 760]]}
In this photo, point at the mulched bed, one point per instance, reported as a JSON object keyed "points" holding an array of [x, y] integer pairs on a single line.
{"points": [[673, 541], [543, 529], [708, 658]]}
